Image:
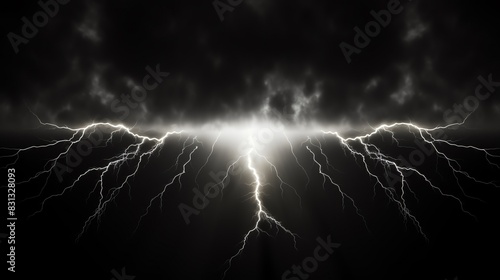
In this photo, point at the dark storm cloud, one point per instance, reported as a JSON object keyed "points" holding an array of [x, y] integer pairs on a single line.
{"points": [[92, 52]]}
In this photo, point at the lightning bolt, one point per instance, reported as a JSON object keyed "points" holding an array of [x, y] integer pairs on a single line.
{"points": [[160, 195], [296, 159], [139, 149], [326, 176], [132, 154], [372, 152], [208, 159], [261, 213]]}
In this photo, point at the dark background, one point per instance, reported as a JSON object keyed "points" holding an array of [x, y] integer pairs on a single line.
{"points": [[91, 52], [165, 247]]}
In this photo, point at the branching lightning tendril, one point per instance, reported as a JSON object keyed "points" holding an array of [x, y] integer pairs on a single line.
{"points": [[362, 149]]}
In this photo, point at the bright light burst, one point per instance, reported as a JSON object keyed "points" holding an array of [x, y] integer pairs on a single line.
{"points": [[254, 156]]}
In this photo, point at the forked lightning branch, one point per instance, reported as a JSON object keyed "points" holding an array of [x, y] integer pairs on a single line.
{"points": [[257, 160]]}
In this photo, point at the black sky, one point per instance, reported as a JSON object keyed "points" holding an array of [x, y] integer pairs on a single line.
{"points": [[426, 60], [283, 54]]}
